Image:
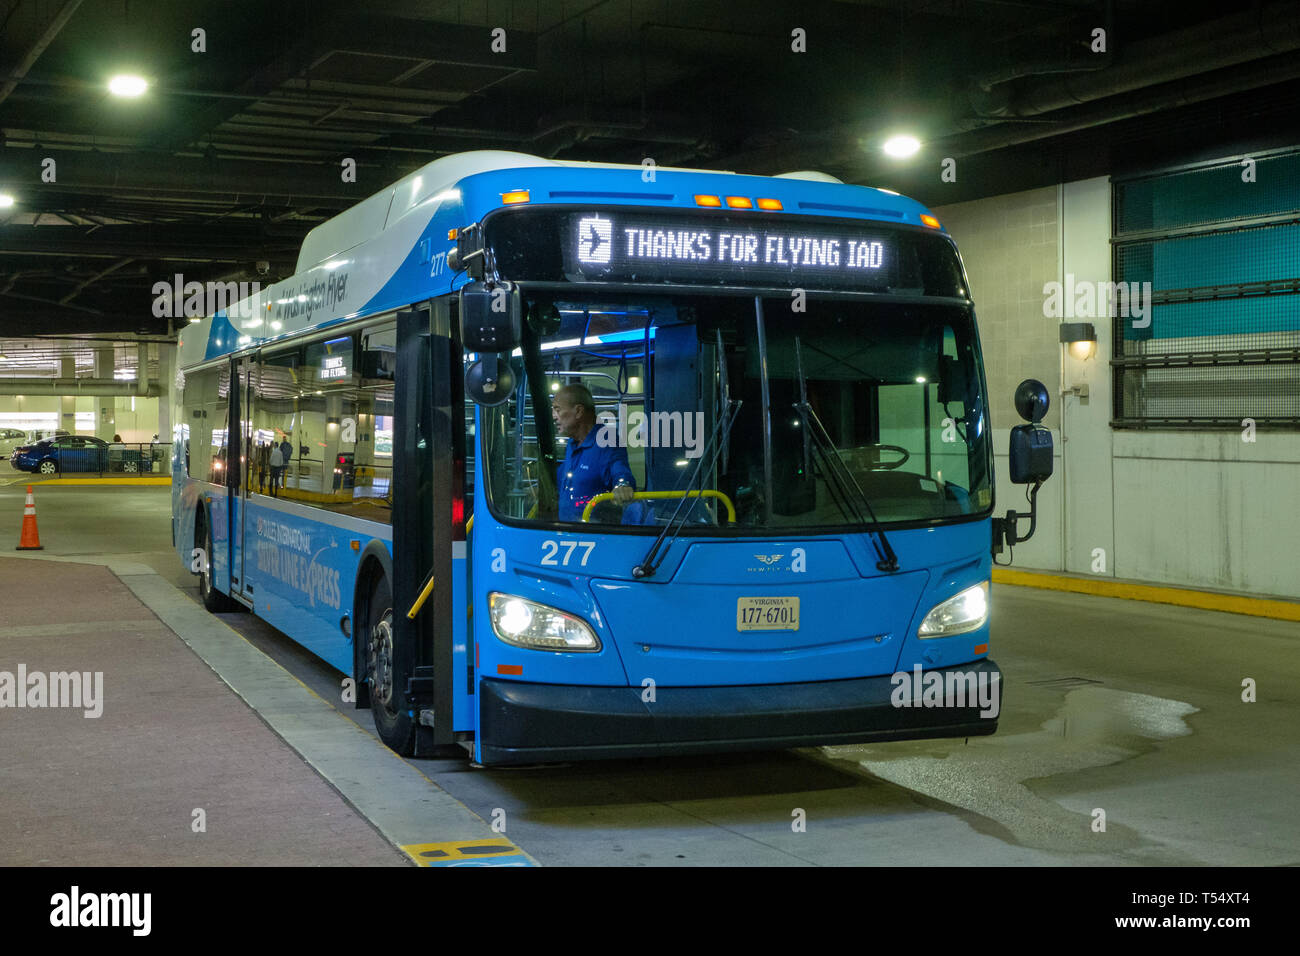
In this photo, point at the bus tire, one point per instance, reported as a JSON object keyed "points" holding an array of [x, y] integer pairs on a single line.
{"points": [[385, 673], [213, 599]]}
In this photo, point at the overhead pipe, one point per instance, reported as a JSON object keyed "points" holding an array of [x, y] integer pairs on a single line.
{"points": [[1229, 41], [1185, 92], [1166, 75], [74, 387], [989, 96]]}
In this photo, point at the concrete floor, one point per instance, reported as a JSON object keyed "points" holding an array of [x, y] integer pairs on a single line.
{"points": [[1117, 706]]}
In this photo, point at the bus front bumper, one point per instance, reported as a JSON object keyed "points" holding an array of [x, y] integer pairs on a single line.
{"points": [[539, 723]]}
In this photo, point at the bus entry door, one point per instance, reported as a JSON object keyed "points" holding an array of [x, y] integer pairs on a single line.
{"points": [[243, 474]]}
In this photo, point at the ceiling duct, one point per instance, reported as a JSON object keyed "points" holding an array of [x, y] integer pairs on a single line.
{"points": [[1261, 32]]}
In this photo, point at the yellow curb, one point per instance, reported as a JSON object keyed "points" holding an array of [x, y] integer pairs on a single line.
{"points": [[1183, 597], [96, 481]]}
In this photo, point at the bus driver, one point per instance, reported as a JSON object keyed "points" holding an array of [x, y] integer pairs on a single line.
{"points": [[588, 468]]}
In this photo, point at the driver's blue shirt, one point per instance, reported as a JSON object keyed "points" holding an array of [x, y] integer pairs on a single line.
{"points": [[588, 470]]}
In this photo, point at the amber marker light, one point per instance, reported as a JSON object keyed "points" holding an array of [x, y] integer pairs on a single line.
{"points": [[773, 205], [708, 201], [981, 648], [740, 202], [453, 233], [930, 221], [513, 198]]}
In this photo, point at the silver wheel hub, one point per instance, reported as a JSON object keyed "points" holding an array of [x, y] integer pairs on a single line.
{"points": [[379, 658]]}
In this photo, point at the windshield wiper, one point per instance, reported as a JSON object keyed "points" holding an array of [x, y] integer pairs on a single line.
{"points": [[721, 437], [649, 565], [840, 479]]}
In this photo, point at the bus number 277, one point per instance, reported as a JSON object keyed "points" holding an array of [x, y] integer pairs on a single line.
{"points": [[551, 548]]}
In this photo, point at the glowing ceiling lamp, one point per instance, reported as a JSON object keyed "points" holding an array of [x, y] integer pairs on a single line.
{"points": [[128, 85], [902, 146]]}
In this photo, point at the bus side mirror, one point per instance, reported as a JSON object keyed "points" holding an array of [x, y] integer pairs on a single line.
{"points": [[491, 317], [491, 314], [489, 381], [1030, 450], [1030, 455]]}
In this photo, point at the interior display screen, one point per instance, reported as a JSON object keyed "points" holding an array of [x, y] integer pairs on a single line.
{"points": [[650, 248]]}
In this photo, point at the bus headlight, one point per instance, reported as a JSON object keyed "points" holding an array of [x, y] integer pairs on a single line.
{"points": [[960, 613], [539, 627]]}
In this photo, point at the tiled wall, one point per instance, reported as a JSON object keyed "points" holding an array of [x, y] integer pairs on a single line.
{"points": [[1011, 246]]}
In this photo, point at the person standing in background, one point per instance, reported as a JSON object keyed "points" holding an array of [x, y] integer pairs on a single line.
{"points": [[286, 456], [277, 468]]}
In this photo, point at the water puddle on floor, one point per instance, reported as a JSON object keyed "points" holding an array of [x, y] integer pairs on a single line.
{"points": [[1094, 726]]}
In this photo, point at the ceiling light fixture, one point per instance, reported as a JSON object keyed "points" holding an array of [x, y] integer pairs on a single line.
{"points": [[902, 146], [127, 85]]}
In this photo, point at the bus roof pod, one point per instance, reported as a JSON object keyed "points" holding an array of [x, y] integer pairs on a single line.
{"points": [[378, 212], [812, 175], [373, 215]]}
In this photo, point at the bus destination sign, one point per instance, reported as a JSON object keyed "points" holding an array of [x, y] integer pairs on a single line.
{"points": [[706, 251]]}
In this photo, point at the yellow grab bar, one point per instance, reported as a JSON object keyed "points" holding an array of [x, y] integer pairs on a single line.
{"points": [[419, 602], [660, 495]]}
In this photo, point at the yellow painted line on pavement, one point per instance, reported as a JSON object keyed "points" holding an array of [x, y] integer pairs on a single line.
{"points": [[500, 852], [1183, 597]]}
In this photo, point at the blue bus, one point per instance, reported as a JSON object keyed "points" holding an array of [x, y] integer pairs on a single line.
{"points": [[785, 513]]}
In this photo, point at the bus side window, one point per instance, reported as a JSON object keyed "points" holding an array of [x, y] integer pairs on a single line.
{"points": [[206, 405]]}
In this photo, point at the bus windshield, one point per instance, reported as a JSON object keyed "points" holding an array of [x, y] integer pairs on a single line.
{"points": [[865, 400]]}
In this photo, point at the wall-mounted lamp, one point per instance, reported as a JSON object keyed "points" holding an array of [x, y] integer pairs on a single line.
{"points": [[1081, 337]]}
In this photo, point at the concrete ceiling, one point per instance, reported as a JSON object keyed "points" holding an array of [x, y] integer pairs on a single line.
{"points": [[234, 153]]}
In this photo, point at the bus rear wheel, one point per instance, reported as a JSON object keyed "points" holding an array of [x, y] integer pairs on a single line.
{"points": [[386, 673]]}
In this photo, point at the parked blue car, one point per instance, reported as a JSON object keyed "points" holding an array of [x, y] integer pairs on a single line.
{"points": [[67, 453]]}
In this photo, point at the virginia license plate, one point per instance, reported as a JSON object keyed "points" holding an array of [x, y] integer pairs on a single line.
{"points": [[767, 614]]}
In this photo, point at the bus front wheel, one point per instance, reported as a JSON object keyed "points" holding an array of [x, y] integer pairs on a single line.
{"points": [[386, 673]]}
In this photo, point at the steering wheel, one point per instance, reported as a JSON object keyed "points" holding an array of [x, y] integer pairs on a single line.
{"points": [[893, 464]]}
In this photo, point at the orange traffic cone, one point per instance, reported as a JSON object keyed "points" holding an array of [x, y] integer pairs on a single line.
{"points": [[30, 540]]}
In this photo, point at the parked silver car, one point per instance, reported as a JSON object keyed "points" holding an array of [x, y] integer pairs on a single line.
{"points": [[11, 438]]}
